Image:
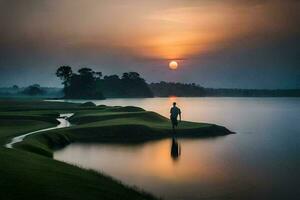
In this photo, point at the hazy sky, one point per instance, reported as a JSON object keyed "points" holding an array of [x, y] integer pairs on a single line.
{"points": [[228, 43]]}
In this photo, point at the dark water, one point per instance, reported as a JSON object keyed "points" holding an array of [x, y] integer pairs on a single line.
{"points": [[261, 161]]}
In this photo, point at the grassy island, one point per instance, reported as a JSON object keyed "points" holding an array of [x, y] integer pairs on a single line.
{"points": [[28, 170]]}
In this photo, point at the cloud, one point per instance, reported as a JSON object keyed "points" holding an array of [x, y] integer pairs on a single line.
{"points": [[194, 26], [126, 33]]}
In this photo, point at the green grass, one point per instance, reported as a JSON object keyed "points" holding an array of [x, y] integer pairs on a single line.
{"points": [[26, 175], [11, 128], [30, 176], [29, 172], [105, 126], [113, 125], [16, 122]]}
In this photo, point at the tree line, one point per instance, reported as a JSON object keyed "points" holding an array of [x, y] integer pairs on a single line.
{"points": [[165, 89], [89, 84]]}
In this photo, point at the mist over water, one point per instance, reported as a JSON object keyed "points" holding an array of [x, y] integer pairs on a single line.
{"points": [[261, 161]]}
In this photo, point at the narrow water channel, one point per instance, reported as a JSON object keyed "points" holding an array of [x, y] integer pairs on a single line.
{"points": [[63, 123]]}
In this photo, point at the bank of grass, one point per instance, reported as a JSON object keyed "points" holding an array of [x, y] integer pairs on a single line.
{"points": [[14, 123], [116, 125], [29, 172], [18, 117], [133, 126], [27, 175], [10, 128]]}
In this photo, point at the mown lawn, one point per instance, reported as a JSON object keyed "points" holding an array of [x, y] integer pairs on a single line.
{"points": [[116, 125], [29, 172], [26, 175]]}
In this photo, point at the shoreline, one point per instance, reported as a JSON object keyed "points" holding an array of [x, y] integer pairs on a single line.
{"points": [[103, 124], [130, 125]]}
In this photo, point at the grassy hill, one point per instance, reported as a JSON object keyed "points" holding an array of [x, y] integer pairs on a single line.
{"points": [[29, 172]]}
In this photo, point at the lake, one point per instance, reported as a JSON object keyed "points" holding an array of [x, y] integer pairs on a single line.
{"points": [[261, 161]]}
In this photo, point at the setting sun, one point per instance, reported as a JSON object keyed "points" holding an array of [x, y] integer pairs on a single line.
{"points": [[173, 65]]}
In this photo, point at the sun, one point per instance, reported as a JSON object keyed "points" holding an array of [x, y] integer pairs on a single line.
{"points": [[173, 65]]}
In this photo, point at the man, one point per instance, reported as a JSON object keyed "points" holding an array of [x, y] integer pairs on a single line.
{"points": [[175, 111]]}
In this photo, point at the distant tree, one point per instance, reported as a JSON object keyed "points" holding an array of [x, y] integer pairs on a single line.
{"points": [[98, 75], [33, 90], [89, 84], [111, 78], [164, 89], [86, 71], [36, 85], [129, 85], [15, 87], [125, 75], [135, 86], [64, 73], [131, 76], [134, 76], [111, 86], [83, 85]]}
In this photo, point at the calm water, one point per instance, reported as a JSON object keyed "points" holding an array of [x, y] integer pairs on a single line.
{"points": [[261, 161]]}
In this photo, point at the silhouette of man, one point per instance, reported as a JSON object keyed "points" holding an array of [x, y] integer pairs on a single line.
{"points": [[175, 111]]}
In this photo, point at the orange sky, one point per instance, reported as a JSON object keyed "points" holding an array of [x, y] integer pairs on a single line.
{"points": [[205, 36], [165, 29]]}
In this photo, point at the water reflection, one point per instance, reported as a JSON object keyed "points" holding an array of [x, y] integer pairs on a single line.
{"points": [[175, 149]]}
